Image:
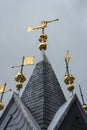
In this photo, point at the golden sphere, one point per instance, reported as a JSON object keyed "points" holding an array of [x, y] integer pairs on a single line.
{"points": [[1, 106], [70, 87], [71, 78], [85, 107], [68, 79], [18, 85], [20, 77], [42, 46], [43, 38]]}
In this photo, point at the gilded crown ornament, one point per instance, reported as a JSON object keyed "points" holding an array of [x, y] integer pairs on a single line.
{"points": [[68, 78], [43, 37]]}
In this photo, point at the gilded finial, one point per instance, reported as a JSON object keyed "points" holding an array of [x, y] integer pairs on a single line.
{"points": [[68, 78], [43, 37], [20, 78]]}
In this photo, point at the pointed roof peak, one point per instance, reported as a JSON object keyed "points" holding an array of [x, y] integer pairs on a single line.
{"points": [[43, 95], [45, 57]]}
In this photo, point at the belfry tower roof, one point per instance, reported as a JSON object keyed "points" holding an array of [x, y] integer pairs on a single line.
{"points": [[43, 95]]}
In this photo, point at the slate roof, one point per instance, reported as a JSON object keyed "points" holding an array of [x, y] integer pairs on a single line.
{"points": [[17, 117], [70, 116], [43, 105], [43, 95]]}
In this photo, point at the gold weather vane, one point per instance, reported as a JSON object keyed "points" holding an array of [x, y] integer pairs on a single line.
{"points": [[67, 58], [2, 91], [43, 37], [20, 78], [68, 78], [42, 26]]}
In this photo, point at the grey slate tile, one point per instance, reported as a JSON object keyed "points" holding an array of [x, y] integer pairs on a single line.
{"points": [[43, 94]]}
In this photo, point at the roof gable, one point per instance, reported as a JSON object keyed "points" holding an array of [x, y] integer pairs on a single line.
{"points": [[17, 116], [70, 116]]}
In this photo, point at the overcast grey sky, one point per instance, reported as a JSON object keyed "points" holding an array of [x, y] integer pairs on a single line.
{"points": [[69, 33]]}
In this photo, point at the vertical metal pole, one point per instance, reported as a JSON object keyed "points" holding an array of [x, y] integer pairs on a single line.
{"points": [[67, 69], [42, 30], [81, 95], [22, 64]]}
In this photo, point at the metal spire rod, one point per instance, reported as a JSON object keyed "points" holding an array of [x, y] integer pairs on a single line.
{"points": [[81, 95], [42, 30], [20, 65], [16, 66], [67, 69]]}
